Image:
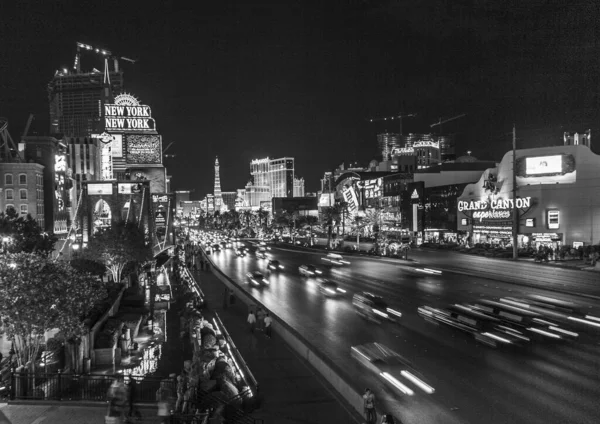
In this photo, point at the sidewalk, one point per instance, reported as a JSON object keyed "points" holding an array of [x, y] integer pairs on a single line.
{"points": [[290, 391]]}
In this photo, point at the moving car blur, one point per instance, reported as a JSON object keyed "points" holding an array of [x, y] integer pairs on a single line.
{"points": [[257, 279], [309, 271], [374, 308]]}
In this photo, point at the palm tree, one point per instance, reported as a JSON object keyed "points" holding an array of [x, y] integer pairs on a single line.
{"points": [[358, 225], [262, 215], [309, 221], [373, 219], [343, 211], [247, 216], [328, 217]]}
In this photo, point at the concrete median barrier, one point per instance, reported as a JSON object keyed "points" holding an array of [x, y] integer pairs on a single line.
{"points": [[325, 368]]}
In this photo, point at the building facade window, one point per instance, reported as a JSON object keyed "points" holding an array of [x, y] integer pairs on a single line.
{"points": [[22, 179], [23, 194], [8, 194], [24, 209], [9, 206], [8, 179]]}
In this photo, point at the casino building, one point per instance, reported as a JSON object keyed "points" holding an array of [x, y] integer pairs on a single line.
{"points": [[557, 199]]}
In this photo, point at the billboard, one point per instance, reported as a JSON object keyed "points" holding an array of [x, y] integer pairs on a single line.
{"points": [[160, 206], [129, 188], [326, 200], [351, 199], [543, 165], [120, 118], [143, 149], [99, 188], [373, 188]]}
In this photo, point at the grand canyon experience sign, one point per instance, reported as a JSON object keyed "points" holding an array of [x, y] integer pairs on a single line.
{"points": [[494, 209], [128, 118]]}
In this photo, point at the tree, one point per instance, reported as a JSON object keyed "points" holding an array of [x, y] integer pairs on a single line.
{"points": [[373, 220], [310, 222], [263, 217], [19, 234], [247, 217], [358, 225], [118, 245], [38, 295], [328, 217]]}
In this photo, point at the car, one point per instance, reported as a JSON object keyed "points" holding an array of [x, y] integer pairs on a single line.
{"points": [[330, 288], [261, 254], [274, 265], [240, 252], [257, 279], [335, 259], [216, 247], [374, 308], [525, 320], [484, 328], [309, 270]]}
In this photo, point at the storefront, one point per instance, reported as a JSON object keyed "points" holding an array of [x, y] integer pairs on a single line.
{"points": [[557, 200]]}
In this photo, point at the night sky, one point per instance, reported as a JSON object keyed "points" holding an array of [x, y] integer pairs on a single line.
{"points": [[293, 78]]}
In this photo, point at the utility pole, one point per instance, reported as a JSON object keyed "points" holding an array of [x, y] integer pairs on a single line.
{"points": [[515, 226]]}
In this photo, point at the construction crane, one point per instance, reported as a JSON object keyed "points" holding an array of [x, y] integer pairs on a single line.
{"points": [[26, 130], [107, 54], [171, 155], [10, 151], [443, 121], [391, 118]]}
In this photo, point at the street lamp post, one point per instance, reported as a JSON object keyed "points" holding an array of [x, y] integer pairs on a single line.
{"points": [[515, 229]]}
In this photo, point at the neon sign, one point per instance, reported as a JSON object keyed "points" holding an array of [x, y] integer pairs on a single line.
{"points": [[495, 205], [128, 115], [351, 199]]}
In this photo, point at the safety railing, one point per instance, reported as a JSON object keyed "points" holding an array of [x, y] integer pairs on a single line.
{"points": [[238, 360], [84, 387]]}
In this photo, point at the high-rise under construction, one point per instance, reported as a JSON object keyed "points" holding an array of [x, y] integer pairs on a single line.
{"points": [[75, 101], [76, 96]]}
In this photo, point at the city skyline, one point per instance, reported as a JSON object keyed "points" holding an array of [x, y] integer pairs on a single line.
{"points": [[314, 75]]}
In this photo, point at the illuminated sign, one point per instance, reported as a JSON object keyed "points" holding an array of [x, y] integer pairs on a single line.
{"points": [[326, 199], [128, 118], [499, 204], [546, 237], [160, 198], [96, 189], [352, 201], [553, 219], [373, 188], [530, 222], [464, 221], [543, 165], [414, 195], [143, 149], [60, 163], [60, 168], [129, 188]]}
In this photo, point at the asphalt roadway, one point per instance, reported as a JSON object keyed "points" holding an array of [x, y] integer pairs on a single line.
{"points": [[544, 382]]}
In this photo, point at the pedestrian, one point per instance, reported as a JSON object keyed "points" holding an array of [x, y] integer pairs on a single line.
{"points": [[252, 321], [369, 406], [117, 397], [268, 322], [131, 398], [164, 397], [260, 316], [387, 419], [180, 392]]}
